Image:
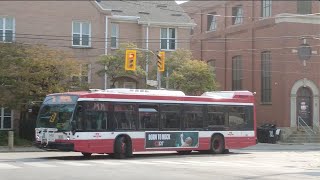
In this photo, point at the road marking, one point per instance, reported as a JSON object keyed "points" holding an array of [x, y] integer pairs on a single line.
{"points": [[8, 166], [169, 162], [75, 164], [39, 164], [106, 162], [140, 162]]}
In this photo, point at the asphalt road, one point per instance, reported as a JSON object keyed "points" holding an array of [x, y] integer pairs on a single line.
{"points": [[253, 163]]}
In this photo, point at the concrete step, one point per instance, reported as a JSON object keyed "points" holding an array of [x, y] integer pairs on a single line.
{"points": [[303, 137]]}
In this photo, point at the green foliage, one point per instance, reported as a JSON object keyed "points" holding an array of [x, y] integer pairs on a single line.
{"points": [[115, 64], [190, 76], [28, 73], [17, 140]]}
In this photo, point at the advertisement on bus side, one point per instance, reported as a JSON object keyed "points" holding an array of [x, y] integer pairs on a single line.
{"points": [[172, 139]]}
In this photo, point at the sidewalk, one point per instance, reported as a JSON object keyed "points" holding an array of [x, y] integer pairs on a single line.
{"points": [[284, 147], [4, 149]]}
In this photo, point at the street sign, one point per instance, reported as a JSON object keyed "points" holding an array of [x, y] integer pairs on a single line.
{"points": [[152, 83]]}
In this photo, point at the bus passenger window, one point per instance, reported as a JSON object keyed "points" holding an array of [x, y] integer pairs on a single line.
{"points": [[148, 116], [170, 116], [93, 116], [216, 117], [124, 116]]}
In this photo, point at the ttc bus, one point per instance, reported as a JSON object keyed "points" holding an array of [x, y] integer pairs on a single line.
{"points": [[122, 121]]}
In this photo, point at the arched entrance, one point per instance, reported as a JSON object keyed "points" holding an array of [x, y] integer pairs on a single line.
{"points": [[304, 102]]}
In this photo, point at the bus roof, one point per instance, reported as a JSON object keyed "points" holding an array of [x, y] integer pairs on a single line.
{"points": [[163, 95]]}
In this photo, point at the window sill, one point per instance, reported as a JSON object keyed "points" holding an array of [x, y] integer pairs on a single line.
{"points": [[266, 103], [211, 31], [114, 48], [82, 47], [6, 42], [169, 50]]}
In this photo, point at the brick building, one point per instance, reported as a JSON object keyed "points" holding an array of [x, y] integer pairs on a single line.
{"points": [[88, 29], [253, 45]]}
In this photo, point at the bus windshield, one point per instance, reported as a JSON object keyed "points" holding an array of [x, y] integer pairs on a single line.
{"points": [[56, 112]]}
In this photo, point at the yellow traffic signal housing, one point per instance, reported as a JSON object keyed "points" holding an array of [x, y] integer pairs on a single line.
{"points": [[131, 60], [161, 61]]}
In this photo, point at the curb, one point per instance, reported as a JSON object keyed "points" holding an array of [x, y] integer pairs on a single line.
{"points": [[5, 149]]}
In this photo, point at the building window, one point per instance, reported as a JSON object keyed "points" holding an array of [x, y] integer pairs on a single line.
{"points": [[304, 7], [237, 73], [168, 38], [81, 34], [266, 6], [114, 35], [212, 22], [6, 118], [7, 25], [237, 15], [266, 77]]}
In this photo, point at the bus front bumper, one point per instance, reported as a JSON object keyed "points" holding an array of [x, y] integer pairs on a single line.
{"points": [[60, 146]]}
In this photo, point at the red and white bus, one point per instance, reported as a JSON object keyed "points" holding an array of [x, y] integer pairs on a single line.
{"points": [[123, 121]]}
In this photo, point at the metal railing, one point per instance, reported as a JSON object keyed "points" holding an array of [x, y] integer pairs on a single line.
{"points": [[303, 125]]}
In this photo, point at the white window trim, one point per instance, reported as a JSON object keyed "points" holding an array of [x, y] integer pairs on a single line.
{"points": [[2, 119], [167, 38], [4, 29], [238, 16], [214, 19], [265, 7], [81, 22], [117, 36]]}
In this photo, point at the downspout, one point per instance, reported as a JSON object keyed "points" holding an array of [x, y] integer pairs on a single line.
{"points": [[253, 45], [147, 55], [225, 47], [201, 24], [106, 53]]}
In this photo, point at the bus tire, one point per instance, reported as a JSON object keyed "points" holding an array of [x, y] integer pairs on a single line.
{"points": [[86, 155], [226, 151], [184, 152], [217, 144], [122, 148]]}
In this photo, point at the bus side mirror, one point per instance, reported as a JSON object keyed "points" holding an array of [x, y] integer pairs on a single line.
{"points": [[73, 127]]}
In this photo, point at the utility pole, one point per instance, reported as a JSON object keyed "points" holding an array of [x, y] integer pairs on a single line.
{"points": [[105, 77]]}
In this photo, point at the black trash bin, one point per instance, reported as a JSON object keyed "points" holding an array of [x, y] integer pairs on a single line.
{"points": [[267, 133]]}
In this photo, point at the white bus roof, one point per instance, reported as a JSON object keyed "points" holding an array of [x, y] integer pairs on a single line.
{"points": [[141, 92], [225, 94]]}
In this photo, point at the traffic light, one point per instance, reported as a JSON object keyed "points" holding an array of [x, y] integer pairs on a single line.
{"points": [[161, 61], [130, 63]]}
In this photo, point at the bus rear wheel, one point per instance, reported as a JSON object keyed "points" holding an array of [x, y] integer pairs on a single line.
{"points": [[86, 155], [121, 148], [217, 144]]}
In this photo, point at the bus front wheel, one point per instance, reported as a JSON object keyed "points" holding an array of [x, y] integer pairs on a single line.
{"points": [[121, 149], [217, 144]]}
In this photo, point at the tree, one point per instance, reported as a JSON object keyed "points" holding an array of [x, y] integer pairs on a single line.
{"points": [[28, 73], [190, 76], [115, 64]]}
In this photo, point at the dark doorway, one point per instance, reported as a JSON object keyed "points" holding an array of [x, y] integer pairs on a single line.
{"points": [[304, 105]]}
